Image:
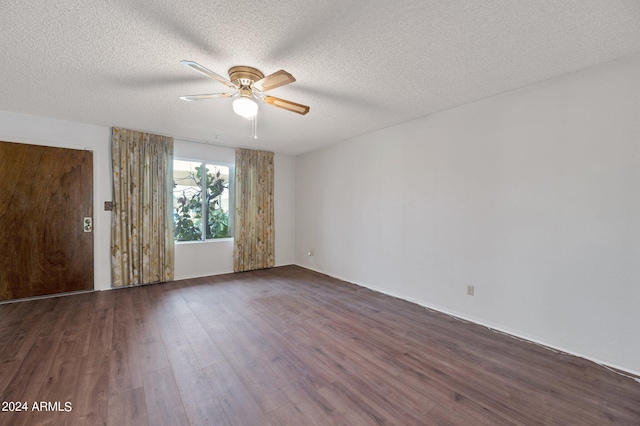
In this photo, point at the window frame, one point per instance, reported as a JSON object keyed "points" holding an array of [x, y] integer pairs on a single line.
{"points": [[231, 186]]}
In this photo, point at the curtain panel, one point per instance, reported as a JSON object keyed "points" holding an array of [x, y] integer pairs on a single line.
{"points": [[142, 248], [254, 246]]}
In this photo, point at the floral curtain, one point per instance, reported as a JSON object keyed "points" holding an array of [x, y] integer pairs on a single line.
{"points": [[253, 221], [141, 220]]}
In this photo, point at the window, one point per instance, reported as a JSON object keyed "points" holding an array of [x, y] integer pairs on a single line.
{"points": [[200, 201]]}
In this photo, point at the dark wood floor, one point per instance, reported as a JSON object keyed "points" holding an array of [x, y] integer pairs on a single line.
{"points": [[285, 346]]}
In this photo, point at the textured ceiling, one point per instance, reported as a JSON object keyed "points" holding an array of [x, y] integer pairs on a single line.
{"points": [[360, 65]]}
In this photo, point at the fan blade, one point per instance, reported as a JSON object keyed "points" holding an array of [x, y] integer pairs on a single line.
{"points": [[206, 96], [288, 105], [277, 79], [208, 73]]}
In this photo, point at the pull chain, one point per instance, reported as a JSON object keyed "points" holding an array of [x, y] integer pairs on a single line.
{"points": [[254, 126]]}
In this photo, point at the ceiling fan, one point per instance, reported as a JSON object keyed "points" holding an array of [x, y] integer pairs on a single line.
{"points": [[248, 84]]}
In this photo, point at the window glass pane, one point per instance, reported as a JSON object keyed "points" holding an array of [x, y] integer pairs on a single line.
{"points": [[200, 211], [217, 202], [187, 200]]}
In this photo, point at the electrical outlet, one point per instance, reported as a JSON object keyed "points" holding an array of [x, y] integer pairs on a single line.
{"points": [[470, 290]]}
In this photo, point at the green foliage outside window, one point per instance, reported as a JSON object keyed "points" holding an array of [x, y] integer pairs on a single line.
{"points": [[191, 211]]}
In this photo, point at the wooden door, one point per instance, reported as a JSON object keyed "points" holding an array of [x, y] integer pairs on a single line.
{"points": [[45, 195]]}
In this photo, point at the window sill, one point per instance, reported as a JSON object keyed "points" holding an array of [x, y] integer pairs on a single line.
{"points": [[213, 240]]}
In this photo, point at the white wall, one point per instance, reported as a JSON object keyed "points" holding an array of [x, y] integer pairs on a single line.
{"points": [[197, 259], [191, 259], [532, 196], [65, 134]]}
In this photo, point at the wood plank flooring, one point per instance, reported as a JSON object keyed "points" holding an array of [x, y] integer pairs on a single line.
{"points": [[285, 346]]}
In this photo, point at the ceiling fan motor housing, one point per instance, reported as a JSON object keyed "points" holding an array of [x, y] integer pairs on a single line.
{"points": [[244, 76]]}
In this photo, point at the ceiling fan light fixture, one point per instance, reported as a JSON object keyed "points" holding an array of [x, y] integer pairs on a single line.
{"points": [[245, 107]]}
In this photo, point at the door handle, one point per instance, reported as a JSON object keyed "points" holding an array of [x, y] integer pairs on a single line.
{"points": [[88, 224]]}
